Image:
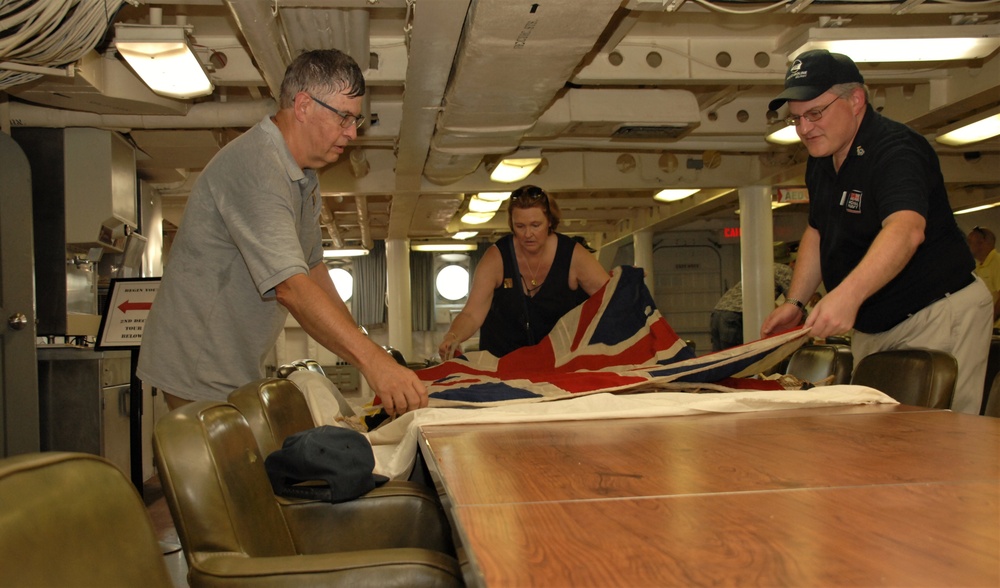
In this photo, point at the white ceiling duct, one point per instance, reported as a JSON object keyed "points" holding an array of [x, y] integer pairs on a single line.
{"points": [[260, 28], [611, 113], [513, 60]]}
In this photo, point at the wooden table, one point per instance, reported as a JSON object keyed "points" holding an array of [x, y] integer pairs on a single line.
{"points": [[870, 495]]}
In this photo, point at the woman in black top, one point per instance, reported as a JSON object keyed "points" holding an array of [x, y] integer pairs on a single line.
{"points": [[526, 281]]}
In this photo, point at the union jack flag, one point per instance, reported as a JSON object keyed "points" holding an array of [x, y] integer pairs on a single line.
{"points": [[616, 341]]}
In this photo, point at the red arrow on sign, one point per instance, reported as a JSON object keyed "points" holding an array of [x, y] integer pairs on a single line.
{"points": [[127, 306]]}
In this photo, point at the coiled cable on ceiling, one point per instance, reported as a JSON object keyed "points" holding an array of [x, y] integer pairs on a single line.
{"points": [[49, 34]]}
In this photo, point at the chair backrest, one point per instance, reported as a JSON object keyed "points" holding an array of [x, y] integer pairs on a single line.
{"points": [[992, 369], [275, 408], [919, 377], [993, 404], [396, 354], [74, 519], [300, 364], [816, 363], [215, 484]]}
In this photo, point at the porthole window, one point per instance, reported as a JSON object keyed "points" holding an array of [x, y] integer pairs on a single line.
{"points": [[344, 282], [452, 282]]}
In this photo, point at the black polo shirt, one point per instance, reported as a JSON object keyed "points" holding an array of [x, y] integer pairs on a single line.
{"points": [[889, 168]]}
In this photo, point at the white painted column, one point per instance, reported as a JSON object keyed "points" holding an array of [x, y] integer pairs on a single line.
{"points": [[642, 241], [756, 258], [400, 324]]}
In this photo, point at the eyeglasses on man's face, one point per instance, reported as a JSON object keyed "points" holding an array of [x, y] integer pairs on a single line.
{"points": [[346, 118], [812, 115]]}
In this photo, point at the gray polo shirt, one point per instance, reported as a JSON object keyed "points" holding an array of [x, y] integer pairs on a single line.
{"points": [[251, 222]]}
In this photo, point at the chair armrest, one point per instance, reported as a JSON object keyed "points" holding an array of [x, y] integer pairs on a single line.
{"points": [[377, 568], [395, 515]]}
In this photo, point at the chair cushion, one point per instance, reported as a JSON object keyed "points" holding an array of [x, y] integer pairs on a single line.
{"points": [[73, 519]]}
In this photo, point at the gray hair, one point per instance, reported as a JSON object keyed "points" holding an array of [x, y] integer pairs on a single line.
{"points": [[321, 73], [843, 90]]}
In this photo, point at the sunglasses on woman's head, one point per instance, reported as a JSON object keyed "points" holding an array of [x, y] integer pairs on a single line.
{"points": [[531, 194]]}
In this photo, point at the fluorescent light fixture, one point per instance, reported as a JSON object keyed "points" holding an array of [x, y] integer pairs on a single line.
{"points": [[443, 247], [494, 196], [477, 218], [976, 128], [477, 204], [162, 57], [895, 44], [786, 135], [462, 235], [350, 252], [976, 208], [674, 194], [517, 166]]}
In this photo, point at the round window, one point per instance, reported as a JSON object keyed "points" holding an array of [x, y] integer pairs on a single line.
{"points": [[453, 282], [344, 282]]}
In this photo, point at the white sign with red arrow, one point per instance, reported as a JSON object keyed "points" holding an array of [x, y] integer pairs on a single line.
{"points": [[128, 306]]}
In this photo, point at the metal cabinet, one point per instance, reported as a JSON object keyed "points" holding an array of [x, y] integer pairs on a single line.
{"points": [[84, 402]]}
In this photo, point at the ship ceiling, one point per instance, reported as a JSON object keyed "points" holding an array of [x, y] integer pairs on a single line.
{"points": [[622, 97]]}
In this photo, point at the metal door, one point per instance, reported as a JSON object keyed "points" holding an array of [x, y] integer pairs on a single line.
{"points": [[18, 367]]}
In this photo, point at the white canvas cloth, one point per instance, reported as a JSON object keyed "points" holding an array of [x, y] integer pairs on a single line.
{"points": [[395, 442]]}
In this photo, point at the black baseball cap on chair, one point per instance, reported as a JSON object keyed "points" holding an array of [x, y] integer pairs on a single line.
{"points": [[815, 72], [341, 457]]}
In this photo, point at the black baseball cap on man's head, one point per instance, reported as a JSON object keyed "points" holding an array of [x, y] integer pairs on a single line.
{"points": [[815, 72]]}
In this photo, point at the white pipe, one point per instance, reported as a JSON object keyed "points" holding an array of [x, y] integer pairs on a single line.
{"points": [[65, 72], [756, 258], [643, 243], [205, 115], [397, 257], [361, 203]]}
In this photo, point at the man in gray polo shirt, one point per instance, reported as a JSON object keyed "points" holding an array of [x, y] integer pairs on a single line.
{"points": [[249, 251]]}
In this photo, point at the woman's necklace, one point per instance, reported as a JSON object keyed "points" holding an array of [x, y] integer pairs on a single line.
{"points": [[534, 282]]}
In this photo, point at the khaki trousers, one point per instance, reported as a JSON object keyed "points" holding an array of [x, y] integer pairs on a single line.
{"points": [[960, 323]]}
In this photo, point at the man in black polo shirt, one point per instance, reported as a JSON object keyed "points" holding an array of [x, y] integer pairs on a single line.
{"points": [[881, 234]]}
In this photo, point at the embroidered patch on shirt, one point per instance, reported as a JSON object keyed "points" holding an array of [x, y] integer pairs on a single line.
{"points": [[854, 202], [508, 282]]}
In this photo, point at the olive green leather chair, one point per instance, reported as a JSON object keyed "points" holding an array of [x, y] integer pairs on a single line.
{"points": [[74, 519], [993, 403], [234, 533], [396, 514], [821, 364], [918, 377]]}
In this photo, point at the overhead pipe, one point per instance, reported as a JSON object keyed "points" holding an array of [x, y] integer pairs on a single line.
{"points": [[204, 115], [363, 222], [330, 224]]}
